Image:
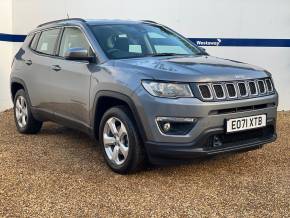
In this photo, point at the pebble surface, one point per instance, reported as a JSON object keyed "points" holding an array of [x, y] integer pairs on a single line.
{"points": [[59, 172]]}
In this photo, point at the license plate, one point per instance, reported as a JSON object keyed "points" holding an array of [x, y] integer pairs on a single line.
{"points": [[245, 123]]}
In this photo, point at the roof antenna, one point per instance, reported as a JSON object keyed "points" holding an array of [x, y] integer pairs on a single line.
{"points": [[67, 16]]}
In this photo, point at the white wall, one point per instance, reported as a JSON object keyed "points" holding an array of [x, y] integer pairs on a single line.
{"points": [[193, 18], [5, 53]]}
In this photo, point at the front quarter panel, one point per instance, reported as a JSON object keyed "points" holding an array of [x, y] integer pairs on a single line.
{"points": [[114, 78]]}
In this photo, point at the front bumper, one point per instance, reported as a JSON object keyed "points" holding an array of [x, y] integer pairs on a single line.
{"points": [[204, 146], [211, 117]]}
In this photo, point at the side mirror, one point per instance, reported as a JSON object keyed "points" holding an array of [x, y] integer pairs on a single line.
{"points": [[80, 54], [203, 50]]}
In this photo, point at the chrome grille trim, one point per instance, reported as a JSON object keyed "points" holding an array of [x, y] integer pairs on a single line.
{"points": [[271, 84], [256, 87], [265, 89], [214, 91], [247, 91], [217, 89], [208, 85], [236, 93]]}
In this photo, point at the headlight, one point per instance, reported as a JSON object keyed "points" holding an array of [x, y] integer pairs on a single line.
{"points": [[167, 90]]}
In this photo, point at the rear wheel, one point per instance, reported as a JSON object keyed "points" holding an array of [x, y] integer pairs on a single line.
{"points": [[24, 119], [120, 143]]}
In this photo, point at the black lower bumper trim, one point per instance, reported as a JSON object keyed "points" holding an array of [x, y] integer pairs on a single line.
{"points": [[199, 148]]}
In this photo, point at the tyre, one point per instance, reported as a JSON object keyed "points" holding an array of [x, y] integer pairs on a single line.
{"points": [[120, 143], [23, 117]]}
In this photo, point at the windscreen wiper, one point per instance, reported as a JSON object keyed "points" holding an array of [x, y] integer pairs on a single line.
{"points": [[165, 54]]}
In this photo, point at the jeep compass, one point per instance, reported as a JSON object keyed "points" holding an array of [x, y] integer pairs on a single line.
{"points": [[143, 91]]}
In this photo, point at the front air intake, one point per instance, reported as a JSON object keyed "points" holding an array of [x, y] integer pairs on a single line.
{"points": [[219, 91], [262, 88], [242, 89], [231, 90], [205, 91]]}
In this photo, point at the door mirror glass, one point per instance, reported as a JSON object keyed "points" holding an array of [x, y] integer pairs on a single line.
{"points": [[81, 54]]}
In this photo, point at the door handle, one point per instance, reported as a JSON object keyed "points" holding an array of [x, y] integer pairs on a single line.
{"points": [[28, 62], [56, 67]]}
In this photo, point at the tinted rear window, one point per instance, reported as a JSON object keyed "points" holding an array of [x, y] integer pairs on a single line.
{"points": [[47, 40]]}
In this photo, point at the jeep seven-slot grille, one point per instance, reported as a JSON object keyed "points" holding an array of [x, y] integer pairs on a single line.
{"points": [[235, 89]]}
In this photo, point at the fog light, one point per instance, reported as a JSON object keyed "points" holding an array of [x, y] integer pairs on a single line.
{"points": [[166, 127], [175, 125]]}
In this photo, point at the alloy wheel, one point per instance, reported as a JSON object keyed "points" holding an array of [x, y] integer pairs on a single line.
{"points": [[116, 141], [21, 111]]}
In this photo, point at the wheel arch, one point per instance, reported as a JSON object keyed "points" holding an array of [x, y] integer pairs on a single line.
{"points": [[17, 84], [114, 99]]}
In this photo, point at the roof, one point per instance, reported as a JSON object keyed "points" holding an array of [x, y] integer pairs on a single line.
{"points": [[92, 21]]}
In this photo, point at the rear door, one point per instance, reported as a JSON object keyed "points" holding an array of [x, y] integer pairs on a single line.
{"points": [[39, 79]]}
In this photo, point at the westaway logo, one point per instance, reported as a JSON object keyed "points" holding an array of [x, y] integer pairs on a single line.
{"points": [[209, 43]]}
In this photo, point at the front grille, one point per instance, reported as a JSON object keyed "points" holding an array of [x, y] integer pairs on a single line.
{"points": [[235, 89]]}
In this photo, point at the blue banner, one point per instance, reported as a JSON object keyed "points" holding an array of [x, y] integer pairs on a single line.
{"points": [[234, 42], [12, 37], [241, 42]]}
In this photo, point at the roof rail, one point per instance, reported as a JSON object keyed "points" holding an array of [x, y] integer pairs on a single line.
{"points": [[149, 21], [62, 20]]}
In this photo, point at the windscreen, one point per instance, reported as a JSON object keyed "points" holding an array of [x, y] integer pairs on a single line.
{"points": [[120, 41]]}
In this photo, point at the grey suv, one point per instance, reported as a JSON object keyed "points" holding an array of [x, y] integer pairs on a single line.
{"points": [[141, 90]]}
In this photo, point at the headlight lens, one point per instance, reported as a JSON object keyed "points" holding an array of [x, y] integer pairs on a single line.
{"points": [[167, 90]]}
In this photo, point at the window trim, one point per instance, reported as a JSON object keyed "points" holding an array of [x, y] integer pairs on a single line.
{"points": [[97, 59], [37, 34], [53, 52], [41, 31], [60, 39]]}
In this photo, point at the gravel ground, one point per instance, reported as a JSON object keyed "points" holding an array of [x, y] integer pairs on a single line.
{"points": [[59, 172]]}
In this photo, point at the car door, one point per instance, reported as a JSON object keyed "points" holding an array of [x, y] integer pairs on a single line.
{"points": [[38, 77], [70, 79]]}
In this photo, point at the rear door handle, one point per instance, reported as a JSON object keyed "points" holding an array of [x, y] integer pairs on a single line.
{"points": [[56, 67], [28, 62]]}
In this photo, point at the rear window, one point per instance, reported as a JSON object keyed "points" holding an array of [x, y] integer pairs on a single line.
{"points": [[34, 41], [47, 40]]}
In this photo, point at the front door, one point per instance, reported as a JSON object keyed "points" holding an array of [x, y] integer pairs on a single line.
{"points": [[71, 79]]}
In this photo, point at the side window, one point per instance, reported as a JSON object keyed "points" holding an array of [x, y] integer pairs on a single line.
{"points": [[47, 41], [73, 38], [34, 41]]}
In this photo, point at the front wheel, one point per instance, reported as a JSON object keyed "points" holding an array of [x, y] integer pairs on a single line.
{"points": [[120, 143], [24, 119]]}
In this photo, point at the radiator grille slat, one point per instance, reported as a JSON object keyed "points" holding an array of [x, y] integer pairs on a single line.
{"points": [[232, 93], [262, 88], [253, 88], [205, 91], [219, 91], [242, 89]]}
